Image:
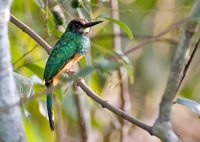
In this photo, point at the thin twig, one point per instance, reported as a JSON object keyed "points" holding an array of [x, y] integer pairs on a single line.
{"points": [[25, 54], [157, 37], [136, 35], [189, 62], [83, 86]]}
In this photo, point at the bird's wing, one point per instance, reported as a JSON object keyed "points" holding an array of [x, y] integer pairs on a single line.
{"points": [[63, 51]]}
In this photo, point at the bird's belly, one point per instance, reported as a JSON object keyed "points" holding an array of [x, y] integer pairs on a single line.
{"points": [[74, 60]]}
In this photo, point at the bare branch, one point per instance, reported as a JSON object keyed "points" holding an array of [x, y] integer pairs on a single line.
{"points": [[189, 62], [25, 54]]}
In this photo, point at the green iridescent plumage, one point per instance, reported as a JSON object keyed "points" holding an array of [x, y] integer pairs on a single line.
{"points": [[75, 41], [66, 48]]}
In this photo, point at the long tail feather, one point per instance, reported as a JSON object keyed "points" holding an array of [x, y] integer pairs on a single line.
{"points": [[50, 107]]}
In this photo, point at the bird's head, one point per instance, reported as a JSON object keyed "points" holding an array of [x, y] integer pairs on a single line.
{"points": [[81, 26]]}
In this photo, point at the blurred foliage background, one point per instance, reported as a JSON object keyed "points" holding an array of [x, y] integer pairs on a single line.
{"points": [[80, 119]]}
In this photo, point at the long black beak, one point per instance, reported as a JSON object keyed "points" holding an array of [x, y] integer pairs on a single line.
{"points": [[90, 24]]}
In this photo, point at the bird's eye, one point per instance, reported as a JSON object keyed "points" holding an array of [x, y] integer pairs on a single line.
{"points": [[77, 25]]}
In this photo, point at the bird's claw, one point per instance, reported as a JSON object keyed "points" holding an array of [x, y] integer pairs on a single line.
{"points": [[69, 71]]}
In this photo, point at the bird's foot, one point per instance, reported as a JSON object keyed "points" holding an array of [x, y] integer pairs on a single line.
{"points": [[69, 71]]}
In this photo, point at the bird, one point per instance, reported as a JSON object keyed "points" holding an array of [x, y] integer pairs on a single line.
{"points": [[68, 50]]}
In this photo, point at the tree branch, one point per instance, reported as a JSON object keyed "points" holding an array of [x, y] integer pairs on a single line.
{"points": [[189, 62], [162, 127], [80, 82]]}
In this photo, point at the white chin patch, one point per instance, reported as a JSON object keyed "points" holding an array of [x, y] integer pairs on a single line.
{"points": [[86, 30]]}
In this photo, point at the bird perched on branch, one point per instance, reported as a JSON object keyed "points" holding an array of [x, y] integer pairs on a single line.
{"points": [[69, 49]]}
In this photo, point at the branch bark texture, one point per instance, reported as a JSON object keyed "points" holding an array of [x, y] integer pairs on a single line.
{"points": [[11, 126], [162, 127]]}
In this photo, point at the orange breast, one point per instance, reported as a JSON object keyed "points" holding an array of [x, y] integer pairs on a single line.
{"points": [[71, 62]]}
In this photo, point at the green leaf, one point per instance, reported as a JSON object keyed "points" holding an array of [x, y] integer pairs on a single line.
{"points": [[106, 65], [96, 82], [192, 105], [122, 25], [69, 105], [35, 69], [40, 3], [83, 62], [24, 85], [50, 23], [103, 50], [85, 71], [58, 92]]}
